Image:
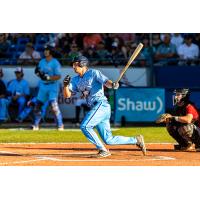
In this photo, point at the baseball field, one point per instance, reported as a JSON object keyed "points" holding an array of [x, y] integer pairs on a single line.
{"points": [[48, 147]]}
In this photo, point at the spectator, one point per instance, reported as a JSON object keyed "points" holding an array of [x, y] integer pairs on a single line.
{"points": [[156, 41], [19, 90], [147, 52], [77, 38], [91, 40], [196, 39], [127, 38], [64, 43], [102, 53], [116, 56], [188, 51], [177, 40], [166, 52], [74, 51], [29, 56], [92, 56], [4, 45], [3, 100]]}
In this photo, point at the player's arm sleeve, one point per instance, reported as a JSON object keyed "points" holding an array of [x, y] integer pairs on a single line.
{"points": [[101, 78], [72, 86]]}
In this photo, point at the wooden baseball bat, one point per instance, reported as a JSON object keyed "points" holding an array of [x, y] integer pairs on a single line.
{"points": [[132, 58]]}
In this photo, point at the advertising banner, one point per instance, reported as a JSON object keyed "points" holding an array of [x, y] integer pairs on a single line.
{"points": [[139, 104]]}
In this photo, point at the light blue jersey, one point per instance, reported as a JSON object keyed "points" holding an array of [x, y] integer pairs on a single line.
{"points": [[90, 85], [48, 90], [19, 87], [52, 68]]}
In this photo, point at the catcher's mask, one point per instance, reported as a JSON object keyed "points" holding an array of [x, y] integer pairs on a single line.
{"points": [[181, 96]]}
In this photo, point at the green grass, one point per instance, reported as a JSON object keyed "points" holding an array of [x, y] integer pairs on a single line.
{"points": [[151, 134]]}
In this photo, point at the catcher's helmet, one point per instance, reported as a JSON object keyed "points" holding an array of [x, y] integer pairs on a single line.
{"points": [[185, 95], [83, 61]]}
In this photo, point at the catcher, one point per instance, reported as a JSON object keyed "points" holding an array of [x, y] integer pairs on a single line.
{"points": [[184, 124]]}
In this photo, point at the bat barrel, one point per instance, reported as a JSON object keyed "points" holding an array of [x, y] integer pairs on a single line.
{"points": [[132, 58]]}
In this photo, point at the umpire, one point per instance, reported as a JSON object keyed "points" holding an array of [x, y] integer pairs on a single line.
{"points": [[184, 125]]}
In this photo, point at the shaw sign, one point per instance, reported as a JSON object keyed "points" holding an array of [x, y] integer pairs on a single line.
{"points": [[139, 104]]}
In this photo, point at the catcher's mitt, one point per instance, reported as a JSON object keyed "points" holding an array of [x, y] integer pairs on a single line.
{"points": [[164, 118]]}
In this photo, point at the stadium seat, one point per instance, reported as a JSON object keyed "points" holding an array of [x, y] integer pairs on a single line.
{"points": [[22, 41], [21, 48], [39, 48], [41, 40]]}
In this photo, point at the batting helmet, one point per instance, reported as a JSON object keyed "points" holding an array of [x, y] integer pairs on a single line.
{"points": [[185, 95], [83, 61]]}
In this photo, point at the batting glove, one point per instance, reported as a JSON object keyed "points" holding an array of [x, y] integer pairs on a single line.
{"points": [[115, 85], [66, 81], [37, 71], [47, 77]]}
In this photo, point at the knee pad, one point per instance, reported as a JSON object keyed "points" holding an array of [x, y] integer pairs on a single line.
{"points": [[55, 107]]}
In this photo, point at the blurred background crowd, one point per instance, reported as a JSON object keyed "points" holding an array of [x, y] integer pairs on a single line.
{"points": [[101, 48]]}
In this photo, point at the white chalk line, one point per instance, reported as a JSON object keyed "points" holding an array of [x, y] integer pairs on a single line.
{"points": [[157, 158], [49, 158], [21, 162]]}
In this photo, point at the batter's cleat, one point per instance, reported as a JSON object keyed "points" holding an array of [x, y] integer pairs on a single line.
{"points": [[103, 154], [61, 128], [140, 143], [35, 128]]}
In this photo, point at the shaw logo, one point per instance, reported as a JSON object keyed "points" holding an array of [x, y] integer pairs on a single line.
{"points": [[126, 104]]}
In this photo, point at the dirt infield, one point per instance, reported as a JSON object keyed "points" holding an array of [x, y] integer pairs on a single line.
{"points": [[80, 154]]}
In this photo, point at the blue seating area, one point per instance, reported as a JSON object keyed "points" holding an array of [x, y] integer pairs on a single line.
{"points": [[16, 48]]}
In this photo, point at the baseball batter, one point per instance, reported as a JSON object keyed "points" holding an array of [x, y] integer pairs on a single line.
{"points": [[89, 83], [49, 71]]}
